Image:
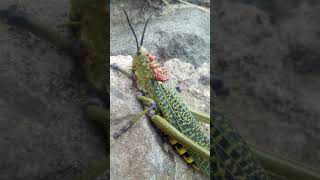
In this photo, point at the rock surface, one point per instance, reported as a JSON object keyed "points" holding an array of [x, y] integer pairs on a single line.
{"points": [[142, 153], [43, 133], [272, 70], [179, 31]]}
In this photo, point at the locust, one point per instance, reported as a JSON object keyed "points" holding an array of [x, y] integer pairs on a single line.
{"points": [[171, 115], [228, 156], [165, 107]]}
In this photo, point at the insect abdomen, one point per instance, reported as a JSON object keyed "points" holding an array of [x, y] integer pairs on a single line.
{"points": [[232, 158], [177, 113]]}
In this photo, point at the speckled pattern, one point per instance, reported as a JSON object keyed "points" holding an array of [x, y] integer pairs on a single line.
{"points": [[142, 152]]}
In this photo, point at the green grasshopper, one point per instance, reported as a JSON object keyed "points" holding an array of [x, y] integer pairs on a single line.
{"points": [[231, 158], [234, 160], [168, 112], [166, 109]]}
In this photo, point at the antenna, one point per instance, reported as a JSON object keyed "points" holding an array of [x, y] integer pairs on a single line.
{"points": [[135, 36], [144, 29]]}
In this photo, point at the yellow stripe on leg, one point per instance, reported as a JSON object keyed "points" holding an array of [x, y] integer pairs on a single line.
{"points": [[181, 150], [166, 127], [172, 141], [188, 159]]}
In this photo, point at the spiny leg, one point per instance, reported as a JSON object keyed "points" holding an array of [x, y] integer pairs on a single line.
{"points": [[145, 100], [172, 132], [200, 117], [151, 106], [167, 128], [130, 124], [125, 72]]}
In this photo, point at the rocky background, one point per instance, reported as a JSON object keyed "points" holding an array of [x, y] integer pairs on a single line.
{"points": [[177, 31], [267, 53], [43, 133], [180, 36]]}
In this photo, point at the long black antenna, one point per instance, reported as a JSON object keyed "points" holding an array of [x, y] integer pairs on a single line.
{"points": [[144, 30], [135, 36]]}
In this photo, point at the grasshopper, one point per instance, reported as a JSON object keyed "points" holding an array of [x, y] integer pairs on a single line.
{"points": [[167, 111], [165, 107], [231, 157]]}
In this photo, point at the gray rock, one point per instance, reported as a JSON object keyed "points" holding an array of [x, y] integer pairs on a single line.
{"points": [[278, 10], [178, 32], [273, 100], [141, 152], [44, 134], [205, 3]]}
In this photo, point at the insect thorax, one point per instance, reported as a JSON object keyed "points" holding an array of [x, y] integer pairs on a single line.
{"points": [[141, 68], [146, 68]]}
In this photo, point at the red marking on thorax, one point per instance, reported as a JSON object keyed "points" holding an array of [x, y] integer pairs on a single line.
{"points": [[159, 73], [151, 57]]}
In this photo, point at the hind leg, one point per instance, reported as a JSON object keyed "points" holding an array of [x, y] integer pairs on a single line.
{"points": [[171, 131], [200, 117], [151, 106]]}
